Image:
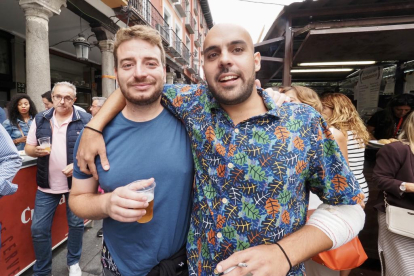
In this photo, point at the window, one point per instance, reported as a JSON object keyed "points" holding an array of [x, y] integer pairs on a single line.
{"points": [[178, 32], [187, 6], [167, 17], [146, 11]]}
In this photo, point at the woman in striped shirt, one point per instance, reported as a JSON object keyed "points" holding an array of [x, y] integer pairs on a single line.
{"points": [[301, 94], [340, 113]]}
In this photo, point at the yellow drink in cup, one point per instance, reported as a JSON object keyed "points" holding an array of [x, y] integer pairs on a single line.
{"points": [[149, 210], [148, 192], [44, 143]]}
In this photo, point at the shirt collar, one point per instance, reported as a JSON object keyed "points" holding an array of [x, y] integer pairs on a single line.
{"points": [[19, 120], [67, 121]]}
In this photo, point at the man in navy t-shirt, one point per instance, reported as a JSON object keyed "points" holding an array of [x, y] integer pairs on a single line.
{"points": [[144, 141]]}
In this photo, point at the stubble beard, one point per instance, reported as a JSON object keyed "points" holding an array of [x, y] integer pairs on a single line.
{"points": [[245, 91], [140, 100]]}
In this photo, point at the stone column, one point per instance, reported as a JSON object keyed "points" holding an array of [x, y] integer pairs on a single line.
{"points": [[37, 14], [106, 45]]}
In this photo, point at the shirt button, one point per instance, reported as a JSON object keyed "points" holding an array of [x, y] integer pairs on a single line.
{"points": [[237, 130], [230, 165], [224, 200], [219, 235]]}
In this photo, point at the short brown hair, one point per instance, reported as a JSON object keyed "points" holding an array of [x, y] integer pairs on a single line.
{"points": [[138, 32]]}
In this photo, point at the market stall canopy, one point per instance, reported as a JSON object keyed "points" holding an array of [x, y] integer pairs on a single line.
{"points": [[335, 31]]}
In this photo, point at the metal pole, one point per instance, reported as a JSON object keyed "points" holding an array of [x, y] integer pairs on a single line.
{"points": [[287, 64]]}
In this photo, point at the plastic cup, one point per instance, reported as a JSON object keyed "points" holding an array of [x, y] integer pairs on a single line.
{"points": [[148, 191], [44, 143]]}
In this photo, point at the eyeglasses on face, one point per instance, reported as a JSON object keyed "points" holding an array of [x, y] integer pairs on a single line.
{"points": [[59, 98]]}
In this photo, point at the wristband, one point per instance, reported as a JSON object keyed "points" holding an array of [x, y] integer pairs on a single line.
{"points": [[91, 128], [284, 253]]}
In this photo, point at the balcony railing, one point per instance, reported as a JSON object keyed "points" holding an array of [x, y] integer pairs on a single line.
{"points": [[146, 13], [186, 54], [190, 23], [175, 45], [193, 67]]}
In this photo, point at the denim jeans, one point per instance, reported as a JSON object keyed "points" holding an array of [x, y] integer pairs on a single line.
{"points": [[45, 207]]}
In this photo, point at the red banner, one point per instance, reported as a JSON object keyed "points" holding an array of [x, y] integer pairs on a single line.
{"points": [[16, 211]]}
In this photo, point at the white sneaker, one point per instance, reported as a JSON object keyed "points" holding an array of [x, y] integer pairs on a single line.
{"points": [[75, 270]]}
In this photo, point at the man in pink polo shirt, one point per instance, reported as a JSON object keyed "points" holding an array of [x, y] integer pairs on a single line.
{"points": [[62, 124]]}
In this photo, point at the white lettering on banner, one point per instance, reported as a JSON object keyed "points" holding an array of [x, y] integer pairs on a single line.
{"points": [[24, 215], [62, 200]]}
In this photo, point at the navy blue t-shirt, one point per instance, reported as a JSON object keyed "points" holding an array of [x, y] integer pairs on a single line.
{"points": [[159, 148]]}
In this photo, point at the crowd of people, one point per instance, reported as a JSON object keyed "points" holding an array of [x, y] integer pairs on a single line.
{"points": [[248, 181]]}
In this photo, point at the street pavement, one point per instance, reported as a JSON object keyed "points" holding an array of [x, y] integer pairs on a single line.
{"points": [[90, 262]]}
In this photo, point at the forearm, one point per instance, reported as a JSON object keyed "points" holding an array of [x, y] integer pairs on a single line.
{"points": [[89, 206], [111, 107], [305, 243], [30, 150]]}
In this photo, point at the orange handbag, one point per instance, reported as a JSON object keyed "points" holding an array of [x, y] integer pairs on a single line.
{"points": [[348, 256]]}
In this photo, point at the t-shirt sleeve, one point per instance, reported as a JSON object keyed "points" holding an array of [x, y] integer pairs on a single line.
{"points": [[77, 173], [330, 176], [31, 135], [179, 98]]}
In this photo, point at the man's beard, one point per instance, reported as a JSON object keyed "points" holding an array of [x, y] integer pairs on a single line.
{"points": [[245, 91], [139, 99]]}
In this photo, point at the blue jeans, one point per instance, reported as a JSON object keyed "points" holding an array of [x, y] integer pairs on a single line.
{"points": [[45, 207]]}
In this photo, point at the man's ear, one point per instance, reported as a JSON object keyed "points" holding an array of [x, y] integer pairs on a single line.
{"points": [[257, 61], [116, 74]]}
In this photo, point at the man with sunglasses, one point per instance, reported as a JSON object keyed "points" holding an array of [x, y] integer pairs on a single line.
{"points": [[62, 124]]}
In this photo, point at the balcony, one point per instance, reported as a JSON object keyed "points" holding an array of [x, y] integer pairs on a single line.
{"points": [[144, 13], [175, 48], [198, 39], [190, 23], [180, 7], [193, 68], [185, 58], [196, 10]]}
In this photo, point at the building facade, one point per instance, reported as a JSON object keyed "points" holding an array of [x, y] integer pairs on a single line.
{"points": [[37, 50]]}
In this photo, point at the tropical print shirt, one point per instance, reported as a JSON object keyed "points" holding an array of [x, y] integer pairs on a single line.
{"points": [[253, 179]]}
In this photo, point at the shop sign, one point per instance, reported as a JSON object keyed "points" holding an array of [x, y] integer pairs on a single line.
{"points": [[21, 87], [368, 88]]}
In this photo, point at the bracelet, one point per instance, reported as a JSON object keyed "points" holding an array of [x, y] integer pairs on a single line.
{"points": [[91, 128], [287, 258]]}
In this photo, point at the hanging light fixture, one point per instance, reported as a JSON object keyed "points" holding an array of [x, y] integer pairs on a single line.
{"points": [[82, 47], [81, 44]]}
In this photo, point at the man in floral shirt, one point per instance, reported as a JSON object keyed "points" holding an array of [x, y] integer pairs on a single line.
{"points": [[255, 165]]}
